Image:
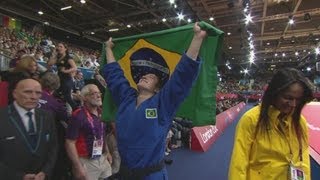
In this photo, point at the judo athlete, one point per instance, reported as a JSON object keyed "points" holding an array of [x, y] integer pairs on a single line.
{"points": [[145, 115]]}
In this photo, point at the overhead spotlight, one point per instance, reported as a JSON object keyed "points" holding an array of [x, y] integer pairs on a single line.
{"points": [[65, 8], [276, 54], [248, 19], [211, 18], [113, 30], [291, 21], [307, 17], [83, 1], [229, 33], [246, 3], [92, 33], [268, 43], [230, 47], [40, 12], [180, 16], [164, 19], [175, 6], [171, 1], [46, 23], [189, 20], [128, 26], [283, 54], [296, 53]]}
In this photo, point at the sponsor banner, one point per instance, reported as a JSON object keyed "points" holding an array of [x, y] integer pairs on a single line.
{"points": [[311, 113], [203, 137]]}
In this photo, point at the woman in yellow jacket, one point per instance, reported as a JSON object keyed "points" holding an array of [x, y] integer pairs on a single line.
{"points": [[271, 140]]}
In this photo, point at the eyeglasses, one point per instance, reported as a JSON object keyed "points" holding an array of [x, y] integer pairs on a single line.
{"points": [[94, 94]]}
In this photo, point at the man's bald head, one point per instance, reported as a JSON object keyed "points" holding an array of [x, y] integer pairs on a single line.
{"points": [[27, 93]]}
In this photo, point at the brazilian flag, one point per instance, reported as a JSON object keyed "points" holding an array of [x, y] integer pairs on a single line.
{"points": [[200, 105]]}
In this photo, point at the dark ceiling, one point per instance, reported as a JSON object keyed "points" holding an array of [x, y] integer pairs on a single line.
{"points": [[274, 40]]}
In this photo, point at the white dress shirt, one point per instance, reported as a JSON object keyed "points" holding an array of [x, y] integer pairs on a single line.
{"points": [[24, 117]]}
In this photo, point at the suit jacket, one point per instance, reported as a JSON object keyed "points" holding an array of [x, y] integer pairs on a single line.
{"points": [[17, 155]]}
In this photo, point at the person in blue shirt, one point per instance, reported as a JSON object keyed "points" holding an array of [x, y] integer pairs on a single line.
{"points": [[145, 115]]}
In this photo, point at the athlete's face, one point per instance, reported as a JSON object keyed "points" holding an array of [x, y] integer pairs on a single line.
{"points": [[149, 82]]}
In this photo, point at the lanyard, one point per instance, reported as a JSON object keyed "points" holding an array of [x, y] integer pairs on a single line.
{"points": [[90, 120], [288, 141]]}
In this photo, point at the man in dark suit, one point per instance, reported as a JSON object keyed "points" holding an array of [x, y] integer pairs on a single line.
{"points": [[28, 144]]}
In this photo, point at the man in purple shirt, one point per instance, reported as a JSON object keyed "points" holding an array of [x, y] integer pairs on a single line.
{"points": [[85, 138]]}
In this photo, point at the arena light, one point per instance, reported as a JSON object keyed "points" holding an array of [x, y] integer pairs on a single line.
{"points": [[180, 16], [291, 21], [164, 19], [40, 12], [83, 1], [113, 30], [65, 8], [248, 19]]}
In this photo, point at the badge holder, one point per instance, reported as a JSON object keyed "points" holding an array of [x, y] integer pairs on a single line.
{"points": [[296, 173], [97, 148]]}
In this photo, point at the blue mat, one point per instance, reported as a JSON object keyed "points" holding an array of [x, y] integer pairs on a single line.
{"points": [[213, 164]]}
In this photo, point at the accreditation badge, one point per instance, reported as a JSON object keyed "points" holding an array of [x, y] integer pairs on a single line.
{"points": [[97, 148], [295, 173]]}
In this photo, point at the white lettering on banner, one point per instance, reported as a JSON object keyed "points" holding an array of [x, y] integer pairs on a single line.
{"points": [[312, 127], [208, 133]]}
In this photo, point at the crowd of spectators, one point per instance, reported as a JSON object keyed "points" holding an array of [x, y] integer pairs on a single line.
{"points": [[27, 54], [30, 51], [14, 44]]}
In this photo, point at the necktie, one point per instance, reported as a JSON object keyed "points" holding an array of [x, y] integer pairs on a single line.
{"points": [[30, 122]]}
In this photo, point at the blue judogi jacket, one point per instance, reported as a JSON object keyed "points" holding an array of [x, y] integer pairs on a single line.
{"points": [[142, 130]]}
